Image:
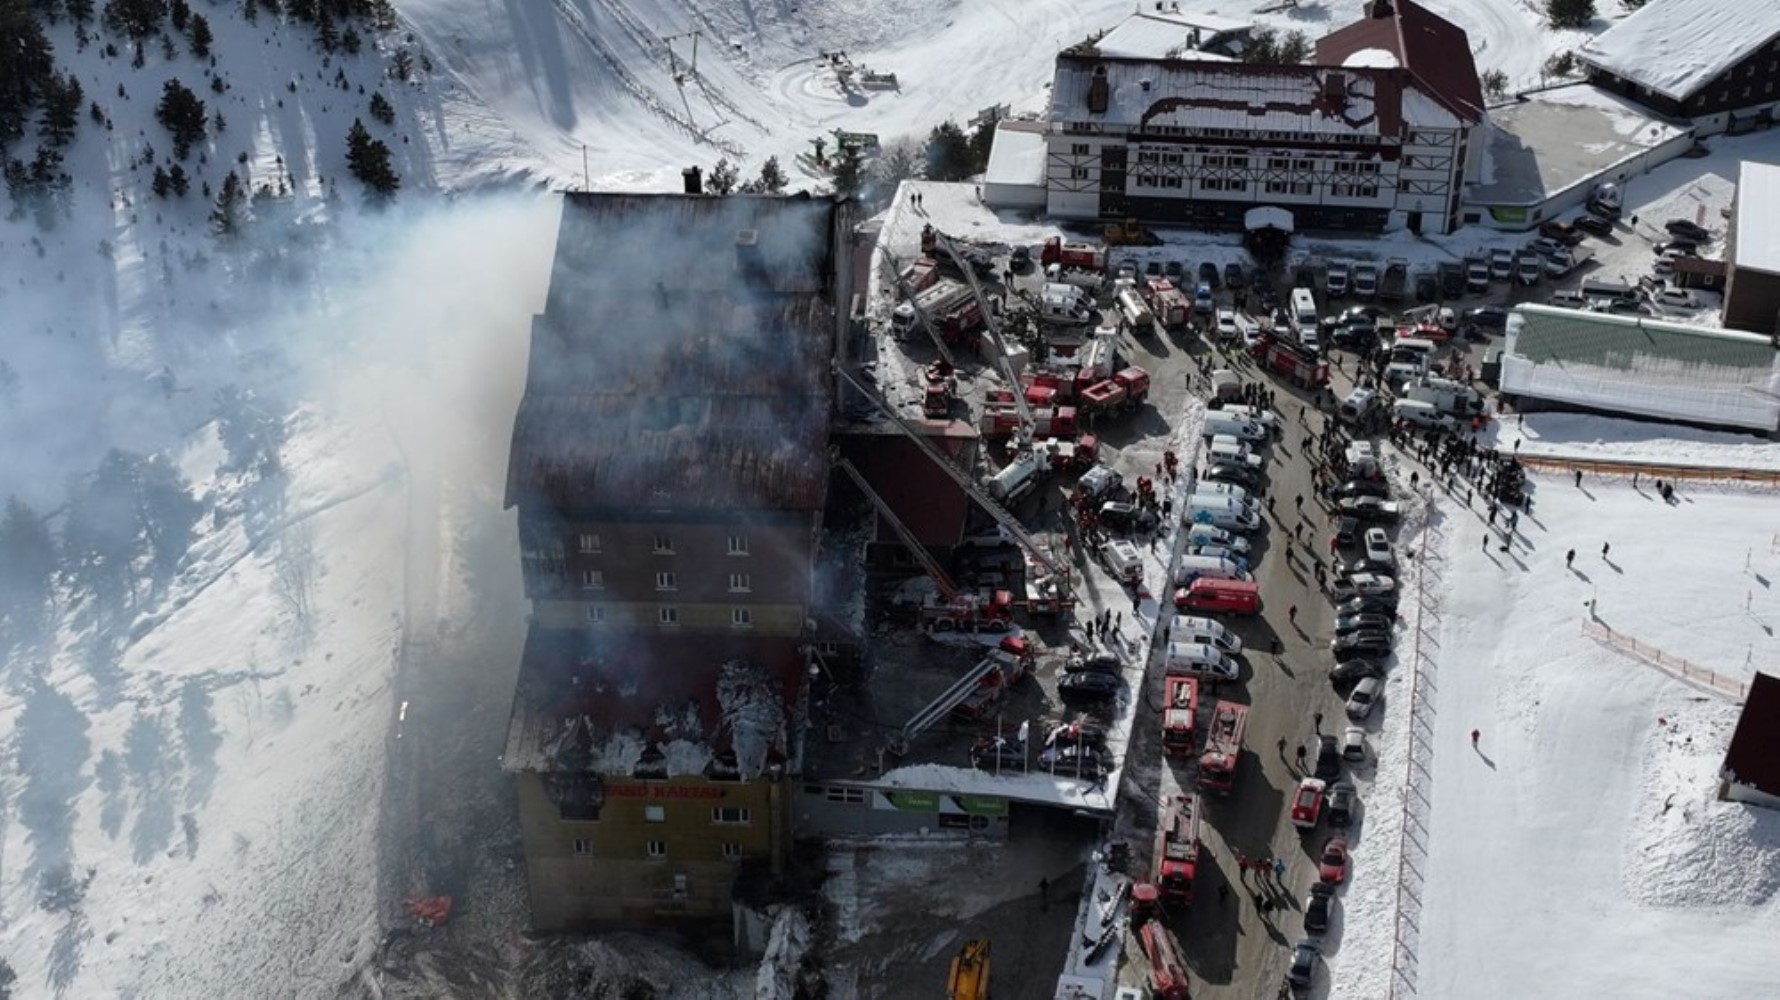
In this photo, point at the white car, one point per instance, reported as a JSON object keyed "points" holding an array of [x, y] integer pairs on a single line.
{"points": [[1227, 329], [1218, 551], [1361, 585], [1448, 318], [1501, 264], [1365, 695], [1378, 546], [1676, 298]]}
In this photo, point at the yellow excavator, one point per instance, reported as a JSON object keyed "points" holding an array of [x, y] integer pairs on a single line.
{"points": [[1129, 233], [970, 972]]}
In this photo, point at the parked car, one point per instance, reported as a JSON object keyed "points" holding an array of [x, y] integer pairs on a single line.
{"points": [[1349, 624], [1020, 259], [1360, 702], [1546, 247], [1331, 867], [1328, 758], [1676, 298], [1342, 797], [1227, 328], [1127, 271], [1365, 564], [1307, 803], [1219, 552], [1153, 269], [1687, 230], [1353, 643], [1377, 604], [1355, 335], [1593, 225], [1100, 663], [1121, 516], [1087, 687], [1487, 318], [1684, 248], [1355, 670], [1604, 209], [998, 755], [1101, 481], [1378, 547], [1074, 761], [1209, 274], [1368, 508], [1233, 277], [1362, 488], [1317, 907], [1231, 472], [1347, 531], [1173, 270], [1527, 269], [1353, 744], [1563, 232], [1501, 264], [1301, 974]]}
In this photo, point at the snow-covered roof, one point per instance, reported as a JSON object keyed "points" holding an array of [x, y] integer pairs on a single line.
{"points": [[1758, 217], [1377, 58], [1209, 94], [1675, 47], [1017, 156], [1165, 34], [1643, 367]]}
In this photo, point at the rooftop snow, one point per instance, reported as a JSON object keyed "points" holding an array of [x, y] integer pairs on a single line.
{"points": [[1758, 217], [1559, 138], [1627, 364], [1018, 156], [1206, 94], [1165, 35], [1375, 58], [1675, 47]]}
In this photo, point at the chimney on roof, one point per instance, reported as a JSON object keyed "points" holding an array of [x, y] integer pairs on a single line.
{"points": [[694, 179], [1380, 9], [1099, 91]]}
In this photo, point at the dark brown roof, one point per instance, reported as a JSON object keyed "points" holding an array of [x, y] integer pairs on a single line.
{"points": [[1754, 755], [1432, 50], [927, 501], [681, 362]]}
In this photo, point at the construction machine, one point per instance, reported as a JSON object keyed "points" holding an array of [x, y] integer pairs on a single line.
{"points": [[1129, 233], [969, 978]]}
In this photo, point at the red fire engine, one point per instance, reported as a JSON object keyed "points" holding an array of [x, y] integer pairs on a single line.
{"points": [[1177, 850], [1179, 712], [1223, 748]]}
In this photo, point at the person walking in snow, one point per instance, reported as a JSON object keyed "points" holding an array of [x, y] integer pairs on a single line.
{"points": [[1579, 478], [1475, 735], [1279, 868], [1569, 558], [1604, 547], [1292, 614]]}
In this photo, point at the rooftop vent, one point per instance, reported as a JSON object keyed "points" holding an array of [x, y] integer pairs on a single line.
{"points": [[747, 238], [1144, 84], [694, 179]]}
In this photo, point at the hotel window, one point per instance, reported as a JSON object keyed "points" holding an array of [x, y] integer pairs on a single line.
{"points": [[668, 616], [740, 583], [658, 848], [590, 543], [655, 814], [850, 795], [593, 579], [730, 814], [1078, 173], [1278, 163], [583, 847], [741, 618], [732, 852], [1079, 149], [596, 614], [664, 543], [666, 581], [738, 545]]}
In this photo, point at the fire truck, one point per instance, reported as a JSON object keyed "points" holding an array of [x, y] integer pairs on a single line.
{"points": [[1168, 974], [1223, 748], [1299, 366], [1179, 715], [1168, 303], [1001, 420], [921, 274], [936, 399], [1177, 850], [1083, 256], [1127, 388]]}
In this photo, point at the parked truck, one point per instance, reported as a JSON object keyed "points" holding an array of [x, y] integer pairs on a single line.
{"points": [[1168, 974], [1445, 394], [1126, 389], [1168, 303], [1085, 256], [1365, 280], [1180, 711], [1063, 303], [1395, 283], [1223, 748], [1177, 850], [1136, 312], [1298, 366], [937, 301]]}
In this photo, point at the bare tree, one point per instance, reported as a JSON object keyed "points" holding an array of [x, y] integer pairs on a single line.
{"points": [[294, 572]]}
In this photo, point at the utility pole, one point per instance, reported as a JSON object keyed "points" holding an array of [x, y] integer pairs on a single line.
{"points": [[586, 184]]}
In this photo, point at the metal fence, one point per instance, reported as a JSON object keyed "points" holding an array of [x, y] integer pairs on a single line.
{"points": [[1412, 835], [1677, 666], [1707, 473]]}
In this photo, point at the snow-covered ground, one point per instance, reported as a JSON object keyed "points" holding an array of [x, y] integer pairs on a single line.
{"points": [[1606, 439], [1578, 849]]}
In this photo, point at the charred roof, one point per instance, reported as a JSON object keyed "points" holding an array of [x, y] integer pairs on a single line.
{"points": [[682, 358], [1433, 50], [1754, 755]]}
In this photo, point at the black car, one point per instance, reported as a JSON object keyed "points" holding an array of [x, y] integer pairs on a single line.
{"points": [[1354, 334], [1233, 276], [1685, 248], [1487, 317], [1080, 733], [1339, 807], [997, 755], [1352, 643], [1368, 604], [1100, 663], [1363, 623], [1317, 907], [1301, 974], [1373, 509], [1376, 566], [1355, 670], [1328, 758], [1020, 260], [1088, 687], [1594, 225], [1362, 488], [1072, 761], [1231, 472], [1687, 230], [1604, 209], [1209, 275], [1347, 531]]}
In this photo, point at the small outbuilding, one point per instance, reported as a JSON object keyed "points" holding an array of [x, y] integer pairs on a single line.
{"points": [[1752, 764]]}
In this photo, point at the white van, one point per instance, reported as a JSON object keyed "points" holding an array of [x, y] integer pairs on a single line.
{"points": [[1233, 425], [1015, 480], [1205, 632], [1357, 404], [1122, 560], [1210, 534], [1199, 659], [1191, 568], [1060, 303], [1224, 512], [1224, 448], [1413, 349], [1259, 414], [1222, 490], [1304, 315], [1420, 414]]}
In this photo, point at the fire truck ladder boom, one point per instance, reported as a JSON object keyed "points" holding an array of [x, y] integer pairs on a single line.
{"points": [[992, 323], [904, 289], [947, 588], [951, 698], [1006, 520]]}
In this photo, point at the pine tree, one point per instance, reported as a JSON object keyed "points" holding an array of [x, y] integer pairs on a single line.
{"points": [[381, 109], [849, 172], [200, 36], [226, 218], [27, 562], [61, 109], [136, 19], [179, 181], [722, 178], [179, 12], [948, 153], [772, 176], [181, 113], [162, 184], [26, 67], [368, 160], [1570, 13], [79, 11]]}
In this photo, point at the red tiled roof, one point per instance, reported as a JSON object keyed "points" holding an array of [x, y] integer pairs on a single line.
{"points": [[1754, 755], [1432, 50]]}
